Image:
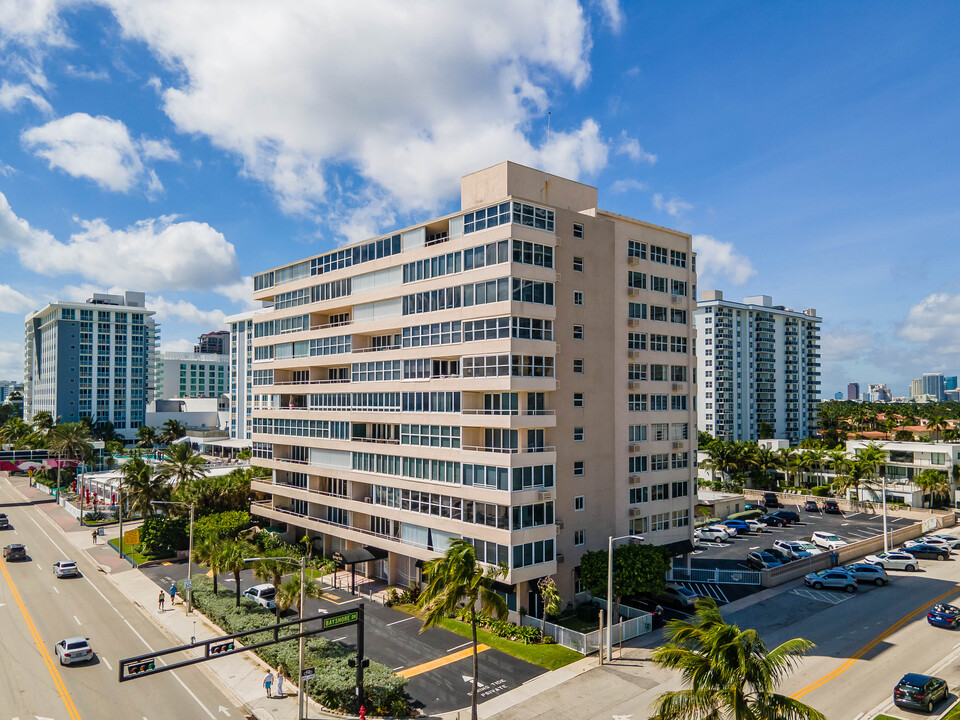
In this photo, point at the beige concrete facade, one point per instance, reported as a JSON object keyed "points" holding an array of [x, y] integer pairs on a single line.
{"points": [[396, 471]]}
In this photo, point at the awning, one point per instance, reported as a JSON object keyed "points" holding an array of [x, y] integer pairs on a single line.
{"points": [[680, 547], [358, 555], [238, 443]]}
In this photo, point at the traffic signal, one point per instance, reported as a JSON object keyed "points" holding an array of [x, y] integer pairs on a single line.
{"points": [[352, 662], [222, 648], [143, 666]]}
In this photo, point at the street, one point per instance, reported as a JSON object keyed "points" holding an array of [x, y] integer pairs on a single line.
{"points": [[38, 610]]}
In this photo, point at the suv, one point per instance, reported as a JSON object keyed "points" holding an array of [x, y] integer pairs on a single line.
{"points": [[794, 548], [920, 691], [827, 540], [771, 500], [868, 573], [811, 506], [4, 521], [264, 595], [835, 578], [15, 552], [679, 596], [788, 516], [831, 506]]}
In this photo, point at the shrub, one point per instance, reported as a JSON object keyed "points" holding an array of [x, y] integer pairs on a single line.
{"points": [[745, 515], [163, 536], [820, 491], [222, 526]]}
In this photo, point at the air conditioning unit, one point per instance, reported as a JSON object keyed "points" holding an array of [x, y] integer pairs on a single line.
{"points": [[635, 447], [559, 558], [677, 387], [559, 526], [635, 479], [558, 277], [632, 260], [633, 292], [543, 496], [633, 354], [677, 299], [678, 445], [636, 512], [633, 384], [633, 322]]}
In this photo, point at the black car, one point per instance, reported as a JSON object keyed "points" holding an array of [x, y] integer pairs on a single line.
{"points": [[921, 692], [4, 521], [772, 520], [771, 500], [788, 516], [928, 551], [811, 506], [831, 506], [778, 554], [647, 604], [762, 561], [14, 552]]}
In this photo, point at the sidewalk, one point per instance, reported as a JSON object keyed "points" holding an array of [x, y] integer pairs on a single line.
{"points": [[240, 675]]}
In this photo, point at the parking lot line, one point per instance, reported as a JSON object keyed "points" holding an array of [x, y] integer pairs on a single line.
{"points": [[440, 662]]}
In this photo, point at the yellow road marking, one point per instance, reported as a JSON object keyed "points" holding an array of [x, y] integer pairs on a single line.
{"points": [[54, 673], [849, 663], [440, 662]]}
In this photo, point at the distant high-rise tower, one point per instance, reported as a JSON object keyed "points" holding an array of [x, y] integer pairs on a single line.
{"points": [[838, 396], [950, 382], [92, 359], [916, 387], [216, 343], [853, 391], [241, 374], [933, 385]]}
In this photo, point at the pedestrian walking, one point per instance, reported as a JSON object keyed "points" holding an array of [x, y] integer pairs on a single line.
{"points": [[162, 598], [280, 672], [94, 536], [268, 682], [173, 595]]}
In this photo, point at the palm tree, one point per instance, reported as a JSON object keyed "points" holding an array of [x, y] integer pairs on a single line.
{"points": [[458, 579], [937, 422], [817, 458], [209, 552], [851, 474], [934, 483], [729, 671], [43, 423], [288, 593], [765, 460], [172, 430], [182, 464], [16, 432], [70, 440], [233, 556], [875, 458], [146, 436], [142, 486], [272, 569]]}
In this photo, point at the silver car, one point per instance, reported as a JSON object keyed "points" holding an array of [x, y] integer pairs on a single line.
{"points": [[74, 650], [868, 573], [833, 578], [66, 568]]}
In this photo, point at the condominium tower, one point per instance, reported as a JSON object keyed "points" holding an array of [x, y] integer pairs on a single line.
{"points": [[91, 359], [759, 366], [241, 374], [190, 375], [519, 374]]}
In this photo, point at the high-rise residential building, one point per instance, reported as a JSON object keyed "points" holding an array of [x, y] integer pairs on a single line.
{"points": [[950, 382], [853, 391], [189, 375], [519, 374], [216, 343], [92, 359], [241, 374], [916, 387], [838, 395], [758, 367], [879, 392], [933, 385]]}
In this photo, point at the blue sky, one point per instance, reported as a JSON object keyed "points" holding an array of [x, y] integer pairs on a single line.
{"points": [[179, 147]]}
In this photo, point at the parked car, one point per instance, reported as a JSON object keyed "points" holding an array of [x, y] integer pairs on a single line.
{"points": [[827, 540], [755, 526], [947, 616], [66, 568], [727, 532], [771, 500], [779, 554], [4, 521], [15, 551], [952, 542], [264, 595], [710, 534], [788, 516], [835, 578], [74, 650], [762, 561], [896, 560], [771, 520], [868, 573], [739, 525], [831, 506], [920, 692], [793, 548], [647, 604], [678, 596], [755, 506], [928, 551], [811, 506], [935, 541]]}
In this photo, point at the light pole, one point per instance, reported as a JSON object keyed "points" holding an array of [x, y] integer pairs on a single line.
{"points": [[610, 590], [886, 538], [302, 561], [189, 583], [80, 491]]}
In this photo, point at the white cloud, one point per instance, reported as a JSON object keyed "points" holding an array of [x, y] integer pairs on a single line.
{"points": [[14, 301], [11, 360], [626, 185], [99, 148], [612, 14], [631, 148], [186, 311], [240, 292], [12, 96], [934, 320], [178, 345], [674, 206], [716, 259], [86, 74], [445, 87], [846, 344], [152, 255], [31, 22]]}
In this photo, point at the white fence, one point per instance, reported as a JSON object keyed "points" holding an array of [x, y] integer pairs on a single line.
{"points": [[637, 623], [714, 575]]}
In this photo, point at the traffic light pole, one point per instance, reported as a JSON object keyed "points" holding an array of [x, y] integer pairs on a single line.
{"points": [[360, 662]]}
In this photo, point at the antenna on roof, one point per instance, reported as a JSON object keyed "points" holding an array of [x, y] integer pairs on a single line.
{"points": [[548, 125]]}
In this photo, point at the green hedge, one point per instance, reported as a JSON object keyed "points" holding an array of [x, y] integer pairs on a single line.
{"points": [[820, 491], [334, 684], [746, 515]]}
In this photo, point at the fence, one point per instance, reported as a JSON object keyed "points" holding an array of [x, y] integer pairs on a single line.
{"points": [[714, 575], [637, 623]]}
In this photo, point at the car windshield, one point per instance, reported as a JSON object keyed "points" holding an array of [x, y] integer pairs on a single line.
{"points": [[806, 546], [831, 538], [67, 566]]}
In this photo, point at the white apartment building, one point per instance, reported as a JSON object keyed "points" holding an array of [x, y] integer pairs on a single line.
{"points": [[519, 373], [757, 363], [241, 374], [91, 359], [191, 375]]}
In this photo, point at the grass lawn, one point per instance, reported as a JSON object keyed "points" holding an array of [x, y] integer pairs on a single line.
{"points": [[887, 717], [954, 713], [130, 552], [572, 622], [550, 657]]}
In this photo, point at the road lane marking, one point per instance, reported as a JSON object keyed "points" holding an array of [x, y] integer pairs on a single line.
{"points": [[870, 645], [440, 662], [397, 622], [56, 590], [57, 680], [78, 620], [459, 647], [107, 663]]}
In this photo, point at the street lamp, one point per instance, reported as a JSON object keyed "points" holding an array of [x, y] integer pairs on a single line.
{"points": [[302, 561], [189, 583], [610, 590]]}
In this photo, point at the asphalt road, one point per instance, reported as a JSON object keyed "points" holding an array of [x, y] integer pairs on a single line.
{"points": [[37, 611], [438, 662]]}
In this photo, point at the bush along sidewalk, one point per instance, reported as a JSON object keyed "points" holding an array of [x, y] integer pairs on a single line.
{"points": [[334, 684]]}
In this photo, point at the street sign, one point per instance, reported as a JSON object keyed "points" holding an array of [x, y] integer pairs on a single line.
{"points": [[308, 673], [187, 584], [350, 617]]}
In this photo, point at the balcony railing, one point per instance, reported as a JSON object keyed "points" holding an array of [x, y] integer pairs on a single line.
{"points": [[509, 451], [480, 411]]}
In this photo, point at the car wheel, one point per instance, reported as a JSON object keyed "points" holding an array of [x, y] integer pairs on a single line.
{"points": [[930, 706], [851, 588], [818, 586], [910, 568], [879, 582], [941, 556]]}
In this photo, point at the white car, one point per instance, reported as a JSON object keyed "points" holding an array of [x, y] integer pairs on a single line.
{"points": [[894, 561], [756, 526], [932, 540], [710, 534], [66, 568], [264, 595], [827, 541], [952, 542], [74, 650], [809, 547], [731, 531], [792, 548]]}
